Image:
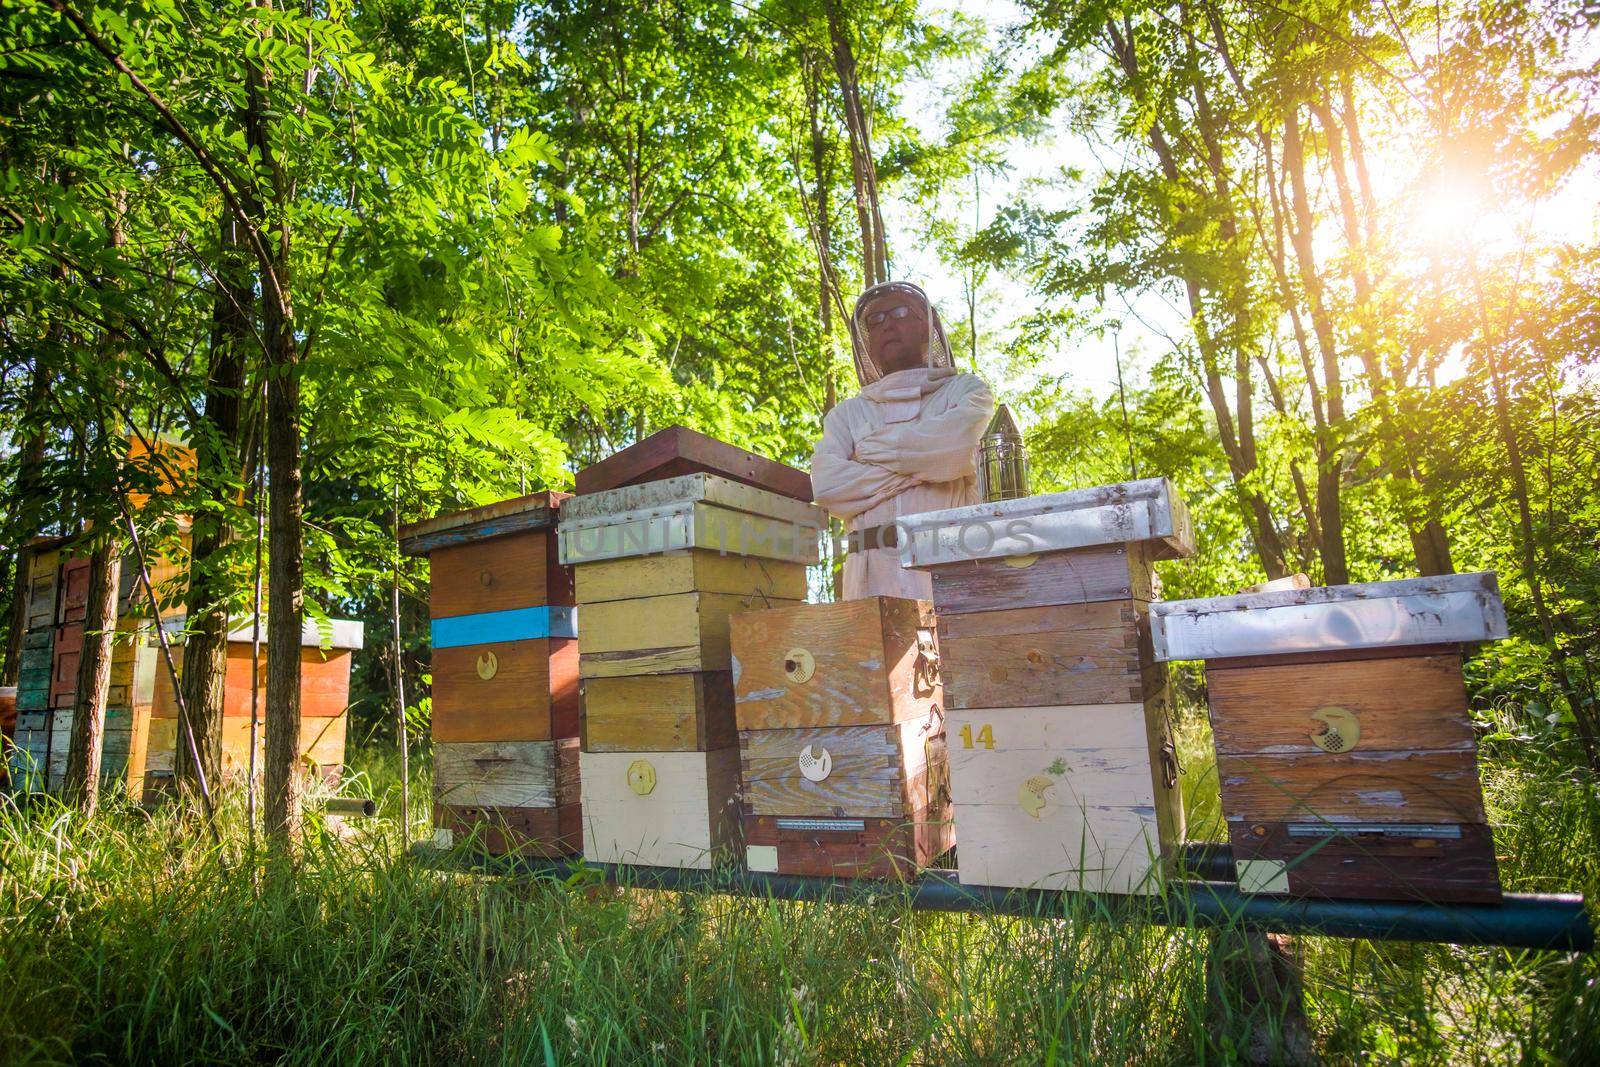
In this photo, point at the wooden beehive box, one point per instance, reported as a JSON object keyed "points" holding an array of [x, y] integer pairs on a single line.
{"points": [[324, 702], [660, 809], [505, 676], [660, 569], [1062, 763], [841, 732], [1345, 749]]}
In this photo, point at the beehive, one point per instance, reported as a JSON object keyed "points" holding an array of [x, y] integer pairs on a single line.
{"points": [[505, 677], [660, 567], [324, 703], [52, 653], [1344, 745], [841, 733], [1062, 765]]}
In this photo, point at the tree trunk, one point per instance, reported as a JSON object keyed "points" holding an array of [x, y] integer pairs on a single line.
{"points": [[205, 654], [1430, 544], [1253, 507], [285, 603], [1335, 569], [864, 173], [82, 785], [281, 779]]}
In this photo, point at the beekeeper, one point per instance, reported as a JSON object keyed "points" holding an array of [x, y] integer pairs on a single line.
{"points": [[906, 443]]}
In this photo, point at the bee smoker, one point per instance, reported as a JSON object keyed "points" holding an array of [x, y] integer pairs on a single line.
{"points": [[1002, 460]]}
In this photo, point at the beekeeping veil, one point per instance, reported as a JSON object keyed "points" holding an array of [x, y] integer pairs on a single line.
{"points": [[938, 352]]}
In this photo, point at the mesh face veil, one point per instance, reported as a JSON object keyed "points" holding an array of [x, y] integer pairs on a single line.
{"points": [[938, 351]]}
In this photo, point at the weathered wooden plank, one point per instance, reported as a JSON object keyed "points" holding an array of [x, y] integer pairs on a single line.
{"points": [[1121, 615], [547, 832], [845, 664], [696, 570], [1083, 576], [685, 818], [500, 519], [1092, 773], [36, 658], [68, 652], [678, 450], [506, 774], [73, 598], [322, 745], [43, 589], [1067, 664], [658, 635], [1451, 863], [659, 713], [1398, 704], [498, 575], [653, 531], [513, 703], [879, 771], [1096, 849], [1406, 787], [846, 848], [33, 699]]}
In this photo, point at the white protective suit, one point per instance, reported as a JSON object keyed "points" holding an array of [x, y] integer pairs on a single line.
{"points": [[906, 443]]}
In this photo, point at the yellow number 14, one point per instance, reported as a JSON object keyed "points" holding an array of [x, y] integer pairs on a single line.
{"points": [[985, 736]]}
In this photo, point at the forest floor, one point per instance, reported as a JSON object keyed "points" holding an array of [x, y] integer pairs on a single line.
{"points": [[128, 938]]}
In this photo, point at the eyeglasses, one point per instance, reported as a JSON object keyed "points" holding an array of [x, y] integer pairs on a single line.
{"points": [[877, 317]]}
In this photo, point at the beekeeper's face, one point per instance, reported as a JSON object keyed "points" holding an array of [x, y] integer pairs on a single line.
{"points": [[897, 332]]}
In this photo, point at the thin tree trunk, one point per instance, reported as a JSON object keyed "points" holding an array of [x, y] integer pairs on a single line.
{"points": [[1335, 569], [1253, 507], [400, 686], [1588, 733], [1430, 544], [205, 653], [82, 785], [281, 783], [863, 170]]}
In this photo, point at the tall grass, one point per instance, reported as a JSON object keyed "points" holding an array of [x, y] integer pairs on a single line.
{"points": [[127, 938]]}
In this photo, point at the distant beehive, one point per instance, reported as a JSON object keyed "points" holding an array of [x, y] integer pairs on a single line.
{"points": [[660, 565], [1345, 748], [505, 677], [52, 651], [841, 728], [1061, 756], [324, 704]]}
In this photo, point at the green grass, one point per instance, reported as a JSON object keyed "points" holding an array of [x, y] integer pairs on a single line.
{"points": [[128, 938]]}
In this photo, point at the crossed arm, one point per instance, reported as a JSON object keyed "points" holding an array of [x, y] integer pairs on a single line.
{"points": [[848, 479], [842, 485]]}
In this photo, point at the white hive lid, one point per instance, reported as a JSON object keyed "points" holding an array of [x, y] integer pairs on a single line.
{"points": [[1449, 609], [1148, 511]]}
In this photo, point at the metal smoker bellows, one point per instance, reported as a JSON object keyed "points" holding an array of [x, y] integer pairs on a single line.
{"points": [[1002, 460]]}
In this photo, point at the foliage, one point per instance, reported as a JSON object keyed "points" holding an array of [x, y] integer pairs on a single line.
{"points": [[126, 938]]}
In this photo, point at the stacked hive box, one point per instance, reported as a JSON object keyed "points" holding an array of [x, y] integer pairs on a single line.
{"points": [[324, 703], [1061, 758], [842, 735], [52, 651], [505, 677], [30, 758], [661, 565], [1344, 745]]}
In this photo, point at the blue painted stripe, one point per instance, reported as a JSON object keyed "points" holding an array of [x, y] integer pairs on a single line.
{"points": [[517, 624]]}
